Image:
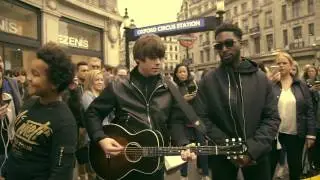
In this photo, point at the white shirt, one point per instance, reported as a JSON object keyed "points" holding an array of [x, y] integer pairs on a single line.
{"points": [[287, 111]]}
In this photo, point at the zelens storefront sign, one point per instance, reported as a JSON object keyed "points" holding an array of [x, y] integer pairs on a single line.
{"points": [[8, 25], [73, 42]]}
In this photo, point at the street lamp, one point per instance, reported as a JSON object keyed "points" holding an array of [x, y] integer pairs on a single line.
{"points": [[126, 25], [220, 11]]}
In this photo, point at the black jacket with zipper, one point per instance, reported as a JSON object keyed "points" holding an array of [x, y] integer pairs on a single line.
{"points": [[147, 101], [239, 103], [306, 123]]}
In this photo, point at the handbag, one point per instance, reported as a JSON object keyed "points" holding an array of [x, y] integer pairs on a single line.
{"points": [[308, 172]]}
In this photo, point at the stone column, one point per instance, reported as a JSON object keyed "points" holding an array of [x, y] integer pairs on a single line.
{"points": [[50, 22]]}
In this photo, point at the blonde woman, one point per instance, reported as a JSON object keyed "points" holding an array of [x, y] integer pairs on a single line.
{"points": [[93, 86], [297, 128]]}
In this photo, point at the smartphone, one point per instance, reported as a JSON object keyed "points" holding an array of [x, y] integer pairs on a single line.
{"points": [[192, 89], [316, 83], [5, 101], [274, 69]]}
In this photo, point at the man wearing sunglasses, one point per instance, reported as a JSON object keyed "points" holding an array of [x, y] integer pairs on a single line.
{"points": [[236, 101]]}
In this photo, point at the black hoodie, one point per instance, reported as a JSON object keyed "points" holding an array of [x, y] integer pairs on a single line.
{"points": [[237, 103]]}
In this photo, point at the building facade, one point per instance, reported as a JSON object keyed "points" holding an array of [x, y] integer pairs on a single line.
{"points": [[84, 28], [172, 57], [201, 53], [268, 26]]}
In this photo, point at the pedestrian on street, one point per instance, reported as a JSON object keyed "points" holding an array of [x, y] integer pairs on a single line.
{"points": [[142, 101], [236, 101]]}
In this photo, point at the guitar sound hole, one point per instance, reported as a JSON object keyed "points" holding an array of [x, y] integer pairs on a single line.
{"points": [[133, 152]]}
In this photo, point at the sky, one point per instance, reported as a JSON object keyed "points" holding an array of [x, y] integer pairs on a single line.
{"points": [[150, 12]]}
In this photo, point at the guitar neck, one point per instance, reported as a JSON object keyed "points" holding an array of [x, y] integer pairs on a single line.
{"points": [[199, 150]]}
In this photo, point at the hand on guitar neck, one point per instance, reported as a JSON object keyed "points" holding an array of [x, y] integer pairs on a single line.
{"points": [[244, 160], [112, 147]]}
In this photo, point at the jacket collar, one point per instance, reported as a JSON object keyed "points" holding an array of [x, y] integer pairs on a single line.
{"points": [[135, 75]]}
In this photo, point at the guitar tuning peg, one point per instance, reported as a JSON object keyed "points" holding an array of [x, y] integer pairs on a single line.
{"points": [[227, 140], [233, 139], [240, 139], [198, 144], [228, 157]]}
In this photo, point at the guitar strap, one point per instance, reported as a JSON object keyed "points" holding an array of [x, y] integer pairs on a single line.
{"points": [[187, 109]]}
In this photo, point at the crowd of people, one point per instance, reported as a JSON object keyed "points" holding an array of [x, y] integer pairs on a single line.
{"points": [[50, 113]]}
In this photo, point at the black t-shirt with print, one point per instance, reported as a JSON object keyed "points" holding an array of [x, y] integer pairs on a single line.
{"points": [[44, 143]]}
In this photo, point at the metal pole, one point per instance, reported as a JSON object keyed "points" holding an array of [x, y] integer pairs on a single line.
{"points": [[127, 48], [187, 49], [220, 17]]}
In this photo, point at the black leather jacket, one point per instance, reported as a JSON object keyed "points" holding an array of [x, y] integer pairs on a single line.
{"points": [[147, 101]]}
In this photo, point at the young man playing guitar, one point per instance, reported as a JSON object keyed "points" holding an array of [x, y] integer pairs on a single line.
{"points": [[143, 101]]}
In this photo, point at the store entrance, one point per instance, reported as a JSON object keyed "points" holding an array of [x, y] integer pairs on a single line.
{"points": [[16, 57]]}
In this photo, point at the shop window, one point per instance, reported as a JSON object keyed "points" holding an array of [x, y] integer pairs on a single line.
{"points": [[18, 20], [16, 58], [79, 36]]}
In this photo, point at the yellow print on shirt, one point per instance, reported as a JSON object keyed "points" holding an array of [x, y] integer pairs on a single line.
{"points": [[29, 130]]}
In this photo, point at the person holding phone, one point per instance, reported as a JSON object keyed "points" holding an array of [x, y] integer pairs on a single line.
{"points": [[7, 116], [312, 79], [298, 126], [188, 89], [10, 86]]}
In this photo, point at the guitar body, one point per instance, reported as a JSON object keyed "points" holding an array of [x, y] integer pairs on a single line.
{"points": [[117, 167]]}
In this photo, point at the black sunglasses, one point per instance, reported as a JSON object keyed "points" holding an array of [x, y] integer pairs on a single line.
{"points": [[227, 43]]}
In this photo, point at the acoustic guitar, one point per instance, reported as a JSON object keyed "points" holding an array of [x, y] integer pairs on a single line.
{"points": [[143, 152]]}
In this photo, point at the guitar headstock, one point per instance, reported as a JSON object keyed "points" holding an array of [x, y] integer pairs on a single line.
{"points": [[235, 148]]}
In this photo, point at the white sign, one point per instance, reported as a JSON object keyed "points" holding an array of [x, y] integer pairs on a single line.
{"points": [[73, 41], [8, 25], [170, 27]]}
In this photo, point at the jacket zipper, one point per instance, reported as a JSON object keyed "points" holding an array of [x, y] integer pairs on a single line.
{"points": [[242, 108], [147, 102], [61, 155], [230, 108]]}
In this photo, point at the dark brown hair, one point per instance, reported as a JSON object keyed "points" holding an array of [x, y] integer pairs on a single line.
{"points": [[148, 46]]}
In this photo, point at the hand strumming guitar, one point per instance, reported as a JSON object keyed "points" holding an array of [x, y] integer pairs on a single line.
{"points": [[110, 146]]}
